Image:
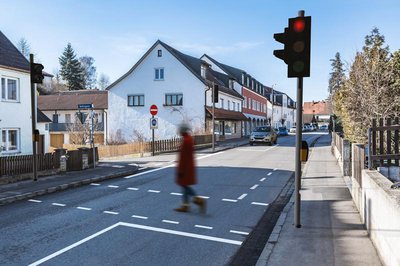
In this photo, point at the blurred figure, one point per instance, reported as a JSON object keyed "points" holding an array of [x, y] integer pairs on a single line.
{"points": [[186, 172]]}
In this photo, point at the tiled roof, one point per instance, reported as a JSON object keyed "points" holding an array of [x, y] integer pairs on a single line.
{"points": [[69, 100], [319, 108], [10, 56], [223, 114]]}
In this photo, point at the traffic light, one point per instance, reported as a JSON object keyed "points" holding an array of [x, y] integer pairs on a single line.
{"points": [[297, 46], [36, 73], [215, 93]]}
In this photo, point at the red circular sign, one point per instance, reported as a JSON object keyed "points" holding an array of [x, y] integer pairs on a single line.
{"points": [[153, 109]]}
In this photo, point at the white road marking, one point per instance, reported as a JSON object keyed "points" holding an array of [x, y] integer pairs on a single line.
{"points": [[33, 200], [260, 203], [113, 186], [170, 222], [138, 226], [133, 164], [132, 188], [140, 217], [209, 155], [153, 191], [157, 164], [204, 197], [230, 200], [84, 208], [238, 232], [242, 196], [272, 147], [58, 204], [254, 187], [150, 171], [275, 169], [270, 173], [180, 233], [262, 179], [176, 194], [118, 166], [108, 212], [203, 226], [94, 184]]}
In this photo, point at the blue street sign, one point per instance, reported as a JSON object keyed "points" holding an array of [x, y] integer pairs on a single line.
{"points": [[153, 123], [85, 106]]}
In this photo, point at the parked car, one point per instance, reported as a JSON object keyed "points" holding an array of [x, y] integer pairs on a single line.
{"points": [[323, 127], [263, 134], [292, 130], [282, 131]]}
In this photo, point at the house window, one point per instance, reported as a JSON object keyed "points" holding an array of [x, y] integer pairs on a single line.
{"points": [[174, 99], [55, 118], [159, 74], [67, 118], [244, 102], [229, 105], [222, 103], [159, 53], [9, 89], [249, 104], [135, 100], [10, 140]]}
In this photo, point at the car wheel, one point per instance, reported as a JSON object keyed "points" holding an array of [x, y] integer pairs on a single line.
{"points": [[251, 143]]}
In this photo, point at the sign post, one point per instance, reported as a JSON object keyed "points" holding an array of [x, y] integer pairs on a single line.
{"points": [[153, 124], [82, 118]]}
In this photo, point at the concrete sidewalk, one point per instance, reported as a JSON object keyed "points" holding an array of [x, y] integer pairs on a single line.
{"points": [[331, 232]]}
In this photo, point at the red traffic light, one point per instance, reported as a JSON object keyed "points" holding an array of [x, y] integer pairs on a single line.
{"points": [[299, 25]]}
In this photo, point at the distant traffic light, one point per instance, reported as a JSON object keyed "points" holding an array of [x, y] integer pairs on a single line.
{"points": [[37, 73], [297, 46], [215, 93]]}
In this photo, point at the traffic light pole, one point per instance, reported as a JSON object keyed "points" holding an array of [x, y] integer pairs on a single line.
{"points": [[299, 123], [33, 115]]}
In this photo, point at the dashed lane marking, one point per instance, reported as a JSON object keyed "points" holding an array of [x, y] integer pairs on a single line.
{"points": [[133, 188], [170, 222], [94, 184], [229, 200], [254, 187], [84, 208], [118, 166], [203, 226], [176, 194], [113, 186], [33, 200], [204, 197], [140, 217], [113, 213], [238, 232], [58, 204], [262, 179], [153, 191], [242, 196], [270, 173], [275, 169], [260, 203]]}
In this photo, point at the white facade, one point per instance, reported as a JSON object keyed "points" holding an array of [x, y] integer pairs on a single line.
{"points": [[132, 121], [15, 112]]}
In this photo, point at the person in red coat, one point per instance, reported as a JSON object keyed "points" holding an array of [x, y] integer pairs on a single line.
{"points": [[186, 171]]}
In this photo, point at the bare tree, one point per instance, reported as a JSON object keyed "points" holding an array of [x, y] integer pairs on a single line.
{"points": [[80, 133], [24, 47], [104, 81]]}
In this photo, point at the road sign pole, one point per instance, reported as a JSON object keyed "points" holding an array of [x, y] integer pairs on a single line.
{"points": [[94, 150], [299, 123], [33, 115], [152, 141]]}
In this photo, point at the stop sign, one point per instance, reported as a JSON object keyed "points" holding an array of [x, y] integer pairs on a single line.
{"points": [[153, 109]]}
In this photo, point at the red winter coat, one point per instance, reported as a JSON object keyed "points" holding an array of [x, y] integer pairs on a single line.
{"points": [[186, 172]]}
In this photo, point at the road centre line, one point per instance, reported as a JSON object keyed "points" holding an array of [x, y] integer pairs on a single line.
{"points": [[170, 222], [270, 173], [94, 184], [113, 186], [203, 226], [242, 196], [33, 200], [58, 204], [254, 187], [176, 194], [108, 212], [133, 188], [84, 208], [238, 232], [260, 203], [229, 200], [262, 179], [137, 226], [140, 217], [153, 191]]}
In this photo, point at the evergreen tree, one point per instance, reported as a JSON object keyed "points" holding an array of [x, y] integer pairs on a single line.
{"points": [[71, 69], [89, 72], [337, 75], [24, 47]]}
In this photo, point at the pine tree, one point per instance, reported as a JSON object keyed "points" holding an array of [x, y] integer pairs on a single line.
{"points": [[24, 47], [337, 75], [71, 70]]}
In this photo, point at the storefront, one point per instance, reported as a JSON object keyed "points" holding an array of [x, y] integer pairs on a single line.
{"points": [[227, 124]]}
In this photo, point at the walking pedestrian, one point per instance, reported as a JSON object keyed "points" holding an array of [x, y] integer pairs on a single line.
{"points": [[186, 172]]}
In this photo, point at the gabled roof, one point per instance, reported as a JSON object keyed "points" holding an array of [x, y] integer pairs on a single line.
{"points": [[41, 117], [10, 56], [69, 100]]}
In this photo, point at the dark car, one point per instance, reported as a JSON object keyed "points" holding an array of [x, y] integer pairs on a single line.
{"points": [[263, 134], [282, 131]]}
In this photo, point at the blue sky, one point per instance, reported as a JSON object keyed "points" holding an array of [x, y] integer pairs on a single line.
{"points": [[238, 33]]}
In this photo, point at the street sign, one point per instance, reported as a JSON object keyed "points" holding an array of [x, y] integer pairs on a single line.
{"points": [[153, 123], [85, 106], [153, 109]]}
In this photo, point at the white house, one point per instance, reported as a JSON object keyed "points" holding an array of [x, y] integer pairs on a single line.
{"points": [[283, 109], [180, 85], [15, 102]]}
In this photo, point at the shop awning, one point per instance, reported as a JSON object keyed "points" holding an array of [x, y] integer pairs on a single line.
{"points": [[222, 114]]}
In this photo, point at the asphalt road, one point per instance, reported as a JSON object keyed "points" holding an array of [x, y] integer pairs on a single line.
{"points": [[130, 220]]}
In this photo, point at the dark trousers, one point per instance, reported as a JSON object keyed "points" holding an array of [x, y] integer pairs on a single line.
{"points": [[187, 191]]}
